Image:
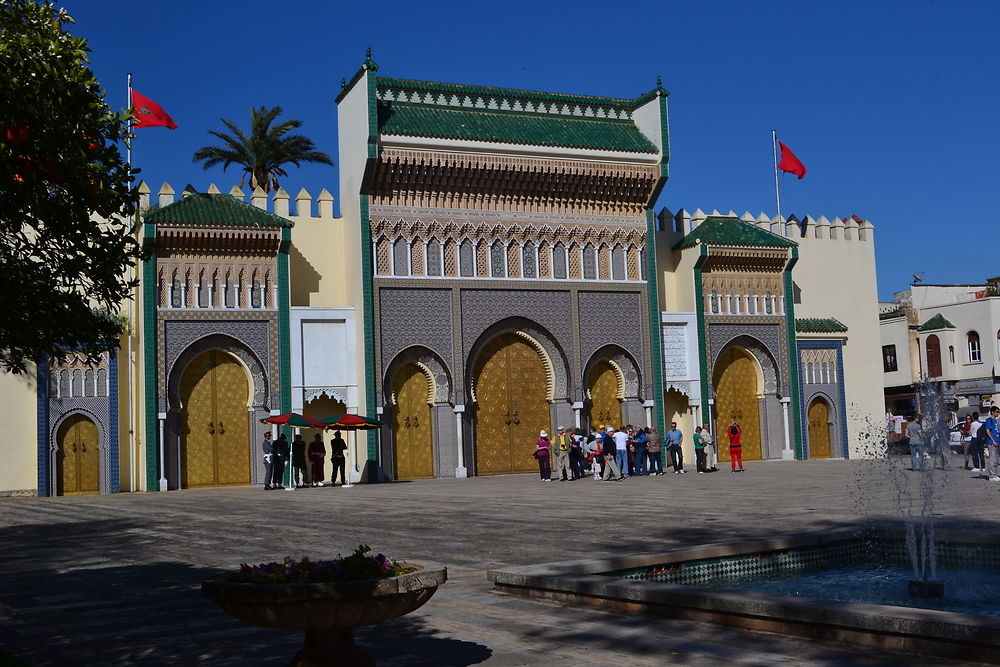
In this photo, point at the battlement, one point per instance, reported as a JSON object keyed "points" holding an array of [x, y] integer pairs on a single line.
{"points": [[852, 228], [279, 202]]}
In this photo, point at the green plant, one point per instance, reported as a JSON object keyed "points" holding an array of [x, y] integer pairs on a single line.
{"points": [[358, 566]]}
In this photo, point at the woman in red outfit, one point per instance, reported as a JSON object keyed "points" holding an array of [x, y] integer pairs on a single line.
{"points": [[735, 446]]}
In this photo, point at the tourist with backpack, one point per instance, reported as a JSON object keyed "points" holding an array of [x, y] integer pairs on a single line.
{"points": [[992, 426]]}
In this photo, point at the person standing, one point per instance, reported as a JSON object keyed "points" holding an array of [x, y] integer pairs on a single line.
{"points": [[543, 451], [576, 453], [317, 457], [279, 452], [268, 448], [711, 455], [674, 440], [992, 426], [595, 453], [338, 459], [620, 438], [976, 444], [610, 453], [699, 452], [653, 451], [967, 439], [736, 446], [561, 445], [640, 442], [915, 433], [299, 472]]}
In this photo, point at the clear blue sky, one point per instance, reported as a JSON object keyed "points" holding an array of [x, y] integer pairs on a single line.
{"points": [[892, 106]]}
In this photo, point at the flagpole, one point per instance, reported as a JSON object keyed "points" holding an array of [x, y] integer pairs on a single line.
{"points": [[131, 318], [777, 192]]}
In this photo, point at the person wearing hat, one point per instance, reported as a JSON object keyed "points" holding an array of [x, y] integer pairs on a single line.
{"points": [[562, 443], [543, 449]]}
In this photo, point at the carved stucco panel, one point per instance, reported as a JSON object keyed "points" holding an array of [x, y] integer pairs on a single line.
{"points": [[675, 352]]}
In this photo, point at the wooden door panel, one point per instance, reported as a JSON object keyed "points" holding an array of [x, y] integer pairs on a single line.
{"points": [[492, 410], [88, 457], [528, 407], [736, 398], [198, 423], [605, 408], [414, 448], [232, 434], [819, 430]]}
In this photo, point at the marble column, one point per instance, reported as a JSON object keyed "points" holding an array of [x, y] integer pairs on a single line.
{"points": [[162, 417], [787, 454], [460, 469]]}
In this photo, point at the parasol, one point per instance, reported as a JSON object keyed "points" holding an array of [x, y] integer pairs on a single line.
{"points": [[352, 422], [292, 419]]}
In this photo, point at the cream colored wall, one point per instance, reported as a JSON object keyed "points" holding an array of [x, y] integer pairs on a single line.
{"points": [[320, 259], [896, 331], [19, 472], [837, 279]]}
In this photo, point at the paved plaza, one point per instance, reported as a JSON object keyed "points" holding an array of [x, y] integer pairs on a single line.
{"points": [[114, 579]]}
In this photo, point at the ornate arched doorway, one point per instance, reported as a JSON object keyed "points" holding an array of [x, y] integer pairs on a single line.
{"points": [[819, 429], [737, 392], [215, 431], [510, 385], [78, 461], [413, 437], [605, 391]]}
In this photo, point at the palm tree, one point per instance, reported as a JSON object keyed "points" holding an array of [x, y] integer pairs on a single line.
{"points": [[264, 151]]}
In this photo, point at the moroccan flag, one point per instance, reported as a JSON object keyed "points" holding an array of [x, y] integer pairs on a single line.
{"points": [[790, 163], [150, 114]]}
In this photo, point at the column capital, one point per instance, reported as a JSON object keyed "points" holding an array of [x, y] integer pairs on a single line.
{"points": [[578, 405], [785, 400], [459, 408]]}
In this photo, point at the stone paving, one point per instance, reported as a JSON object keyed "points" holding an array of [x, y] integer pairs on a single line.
{"points": [[114, 580]]}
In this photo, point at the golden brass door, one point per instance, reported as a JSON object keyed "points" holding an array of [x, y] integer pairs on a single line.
{"points": [[412, 435], [78, 462], [819, 430], [605, 408], [215, 433], [736, 399], [511, 407]]}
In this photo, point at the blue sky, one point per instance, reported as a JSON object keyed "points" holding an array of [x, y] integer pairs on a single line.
{"points": [[892, 106]]}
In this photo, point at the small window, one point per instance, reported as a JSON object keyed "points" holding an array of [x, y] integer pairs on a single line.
{"points": [[528, 261], [975, 355], [466, 260], [559, 261], [642, 264], [618, 263], [175, 294], [715, 301], [889, 363], [498, 260], [255, 295], [434, 258], [589, 262], [951, 353], [400, 258], [933, 356], [769, 304]]}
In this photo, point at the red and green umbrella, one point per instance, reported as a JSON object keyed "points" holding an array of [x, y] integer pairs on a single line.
{"points": [[292, 419], [349, 422]]}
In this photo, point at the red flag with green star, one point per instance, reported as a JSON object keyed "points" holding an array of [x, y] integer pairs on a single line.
{"points": [[150, 114]]}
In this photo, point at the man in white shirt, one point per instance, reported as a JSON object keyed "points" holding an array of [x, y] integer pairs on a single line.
{"points": [[621, 451]]}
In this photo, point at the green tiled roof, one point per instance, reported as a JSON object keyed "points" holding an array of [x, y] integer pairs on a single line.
{"points": [[493, 125], [819, 325], [937, 322], [463, 91], [205, 210], [729, 231]]}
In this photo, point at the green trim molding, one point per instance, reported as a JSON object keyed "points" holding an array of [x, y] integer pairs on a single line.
{"points": [[793, 356], [367, 275], [699, 309], [939, 321], [820, 325], [656, 326], [150, 366], [733, 232], [208, 210]]}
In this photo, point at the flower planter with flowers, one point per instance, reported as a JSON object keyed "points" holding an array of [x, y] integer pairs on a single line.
{"points": [[326, 599]]}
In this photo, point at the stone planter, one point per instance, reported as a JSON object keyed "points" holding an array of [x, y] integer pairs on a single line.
{"points": [[327, 613]]}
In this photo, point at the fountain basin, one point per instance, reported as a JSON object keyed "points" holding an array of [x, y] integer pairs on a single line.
{"points": [[629, 584]]}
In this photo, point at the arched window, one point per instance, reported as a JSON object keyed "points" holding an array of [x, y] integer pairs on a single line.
{"points": [[256, 295], [975, 354], [933, 356], [175, 294], [769, 304], [102, 382], [529, 260], [466, 259], [64, 387], [400, 258], [618, 263], [642, 264], [559, 261], [590, 264], [951, 353], [77, 388], [498, 260], [434, 258], [88, 383], [715, 301]]}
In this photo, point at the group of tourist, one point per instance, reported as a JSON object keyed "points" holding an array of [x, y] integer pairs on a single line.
{"points": [[307, 461], [980, 443], [611, 454]]}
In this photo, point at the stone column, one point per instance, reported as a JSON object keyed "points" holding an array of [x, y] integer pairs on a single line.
{"points": [[577, 408], [211, 293], [460, 469], [787, 454], [648, 405], [162, 417], [695, 410]]}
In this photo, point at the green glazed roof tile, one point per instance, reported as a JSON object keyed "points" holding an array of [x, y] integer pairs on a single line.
{"points": [[729, 231], [205, 210], [541, 129], [819, 325], [937, 322]]}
